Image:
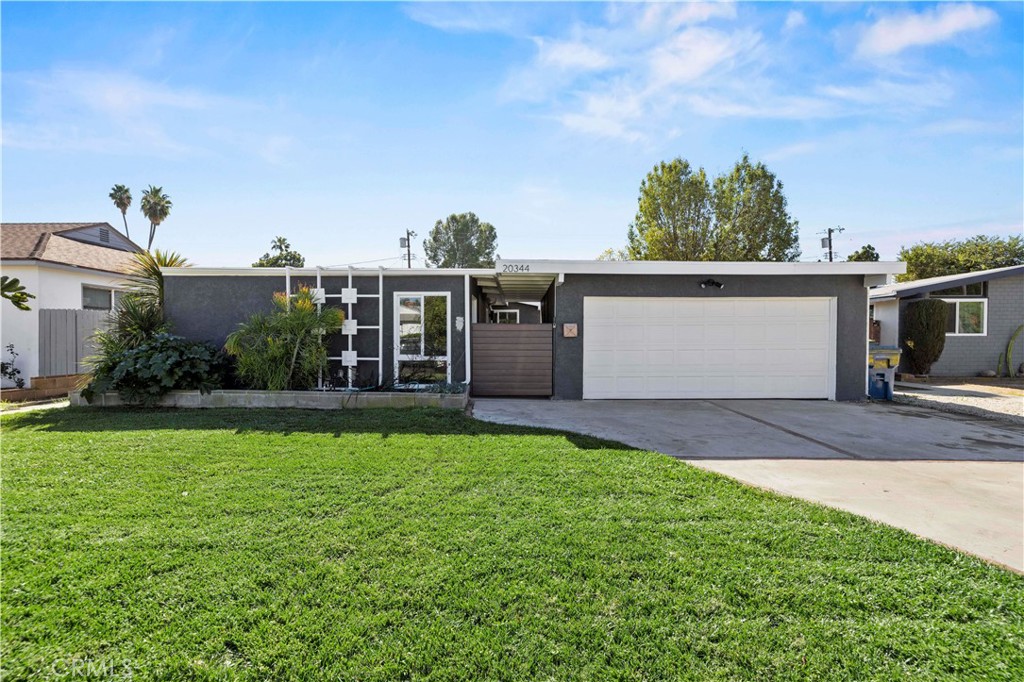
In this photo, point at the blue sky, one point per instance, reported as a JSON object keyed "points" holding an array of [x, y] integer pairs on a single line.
{"points": [[341, 125]]}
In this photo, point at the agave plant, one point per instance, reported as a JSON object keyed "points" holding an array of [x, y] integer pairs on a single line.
{"points": [[284, 350]]}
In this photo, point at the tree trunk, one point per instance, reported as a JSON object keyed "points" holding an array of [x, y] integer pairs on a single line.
{"points": [[124, 217]]}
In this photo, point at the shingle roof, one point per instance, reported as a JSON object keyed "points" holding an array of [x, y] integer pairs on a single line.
{"points": [[43, 242], [920, 286]]}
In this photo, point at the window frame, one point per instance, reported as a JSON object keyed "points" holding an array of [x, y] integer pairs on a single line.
{"points": [[94, 287], [505, 311], [956, 315], [399, 356]]}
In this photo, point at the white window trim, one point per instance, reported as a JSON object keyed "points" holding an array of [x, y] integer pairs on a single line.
{"points": [[956, 321], [506, 312], [396, 327], [98, 287]]}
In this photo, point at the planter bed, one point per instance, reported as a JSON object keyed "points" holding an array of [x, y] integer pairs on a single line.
{"points": [[307, 400]]}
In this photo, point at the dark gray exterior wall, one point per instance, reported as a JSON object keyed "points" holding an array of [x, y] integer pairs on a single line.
{"points": [[851, 316], [208, 308], [968, 355]]}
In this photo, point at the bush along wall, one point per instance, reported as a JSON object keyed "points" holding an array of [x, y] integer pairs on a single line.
{"points": [[924, 333], [163, 363]]}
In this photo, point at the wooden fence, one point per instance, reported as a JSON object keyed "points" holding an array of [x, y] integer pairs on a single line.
{"points": [[65, 339], [511, 359]]}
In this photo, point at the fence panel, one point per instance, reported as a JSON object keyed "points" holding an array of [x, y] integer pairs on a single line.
{"points": [[65, 339]]}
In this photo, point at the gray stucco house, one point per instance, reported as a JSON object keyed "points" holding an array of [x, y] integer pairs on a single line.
{"points": [[581, 330], [985, 308]]}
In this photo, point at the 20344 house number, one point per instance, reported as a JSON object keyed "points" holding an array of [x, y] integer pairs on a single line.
{"points": [[515, 267]]}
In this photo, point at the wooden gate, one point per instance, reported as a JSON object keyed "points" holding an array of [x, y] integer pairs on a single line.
{"points": [[511, 359], [65, 339]]}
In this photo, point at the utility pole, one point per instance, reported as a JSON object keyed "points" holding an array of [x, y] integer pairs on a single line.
{"points": [[826, 242], [406, 243]]}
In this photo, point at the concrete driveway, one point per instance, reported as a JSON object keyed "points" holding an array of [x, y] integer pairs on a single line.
{"points": [[955, 479]]}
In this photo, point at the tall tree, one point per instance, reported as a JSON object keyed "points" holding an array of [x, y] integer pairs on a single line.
{"points": [[952, 257], [156, 206], [865, 253], [122, 198], [740, 215], [752, 221], [461, 241], [674, 215], [282, 256]]}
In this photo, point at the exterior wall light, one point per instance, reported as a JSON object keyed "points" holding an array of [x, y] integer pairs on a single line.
{"points": [[711, 283]]}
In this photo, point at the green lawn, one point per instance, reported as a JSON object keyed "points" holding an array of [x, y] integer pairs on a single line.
{"points": [[419, 544]]}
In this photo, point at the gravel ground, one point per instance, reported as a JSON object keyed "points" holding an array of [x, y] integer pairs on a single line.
{"points": [[971, 399]]}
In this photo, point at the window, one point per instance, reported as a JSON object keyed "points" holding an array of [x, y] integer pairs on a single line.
{"points": [[976, 290], [421, 332], [94, 298], [967, 317], [104, 235], [506, 316]]}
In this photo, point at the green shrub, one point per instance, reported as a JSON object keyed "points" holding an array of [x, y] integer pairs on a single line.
{"points": [[284, 350], [924, 333], [163, 363]]}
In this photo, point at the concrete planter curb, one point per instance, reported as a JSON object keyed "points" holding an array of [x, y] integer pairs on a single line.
{"points": [[306, 400]]}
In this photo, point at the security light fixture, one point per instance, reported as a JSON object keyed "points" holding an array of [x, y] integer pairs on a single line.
{"points": [[711, 283]]}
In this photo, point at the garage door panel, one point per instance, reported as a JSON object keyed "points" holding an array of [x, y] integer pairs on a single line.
{"points": [[658, 309], [721, 309], [707, 348], [661, 335], [686, 310]]}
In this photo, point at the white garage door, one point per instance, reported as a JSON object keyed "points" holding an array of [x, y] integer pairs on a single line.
{"points": [[708, 348]]}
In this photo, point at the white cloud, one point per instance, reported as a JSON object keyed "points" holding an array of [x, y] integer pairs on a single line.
{"points": [[695, 52], [112, 112], [883, 92], [569, 55], [608, 114], [794, 20], [968, 126], [763, 106], [470, 17], [661, 16], [792, 150], [891, 35]]}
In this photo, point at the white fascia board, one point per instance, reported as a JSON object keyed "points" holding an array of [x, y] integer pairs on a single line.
{"points": [[590, 267], [326, 272], [49, 264]]}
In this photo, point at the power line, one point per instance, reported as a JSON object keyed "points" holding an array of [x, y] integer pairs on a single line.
{"points": [[362, 262]]}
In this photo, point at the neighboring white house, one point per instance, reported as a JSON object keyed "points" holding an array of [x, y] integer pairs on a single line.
{"points": [[67, 266]]}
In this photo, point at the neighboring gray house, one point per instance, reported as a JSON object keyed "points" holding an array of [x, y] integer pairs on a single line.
{"points": [[985, 308], [597, 329]]}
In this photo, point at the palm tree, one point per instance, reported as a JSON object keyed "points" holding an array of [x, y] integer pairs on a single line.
{"points": [[156, 206], [146, 279], [280, 244], [122, 197]]}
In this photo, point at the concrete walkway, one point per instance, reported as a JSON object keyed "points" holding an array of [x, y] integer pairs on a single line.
{"points": [[954, 479]]}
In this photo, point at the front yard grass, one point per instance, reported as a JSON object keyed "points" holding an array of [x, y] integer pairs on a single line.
{"points": [[420, 544]]}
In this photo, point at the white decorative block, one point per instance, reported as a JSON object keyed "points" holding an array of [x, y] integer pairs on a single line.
{"points": [[319, 296], [348, 358], [349, 295], [349, 327]]}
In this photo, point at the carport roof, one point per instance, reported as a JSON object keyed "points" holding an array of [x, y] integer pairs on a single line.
{"points": [[921, 286]]}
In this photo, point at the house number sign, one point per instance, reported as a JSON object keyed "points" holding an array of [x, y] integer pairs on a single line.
{"points": [[515, 267]]}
